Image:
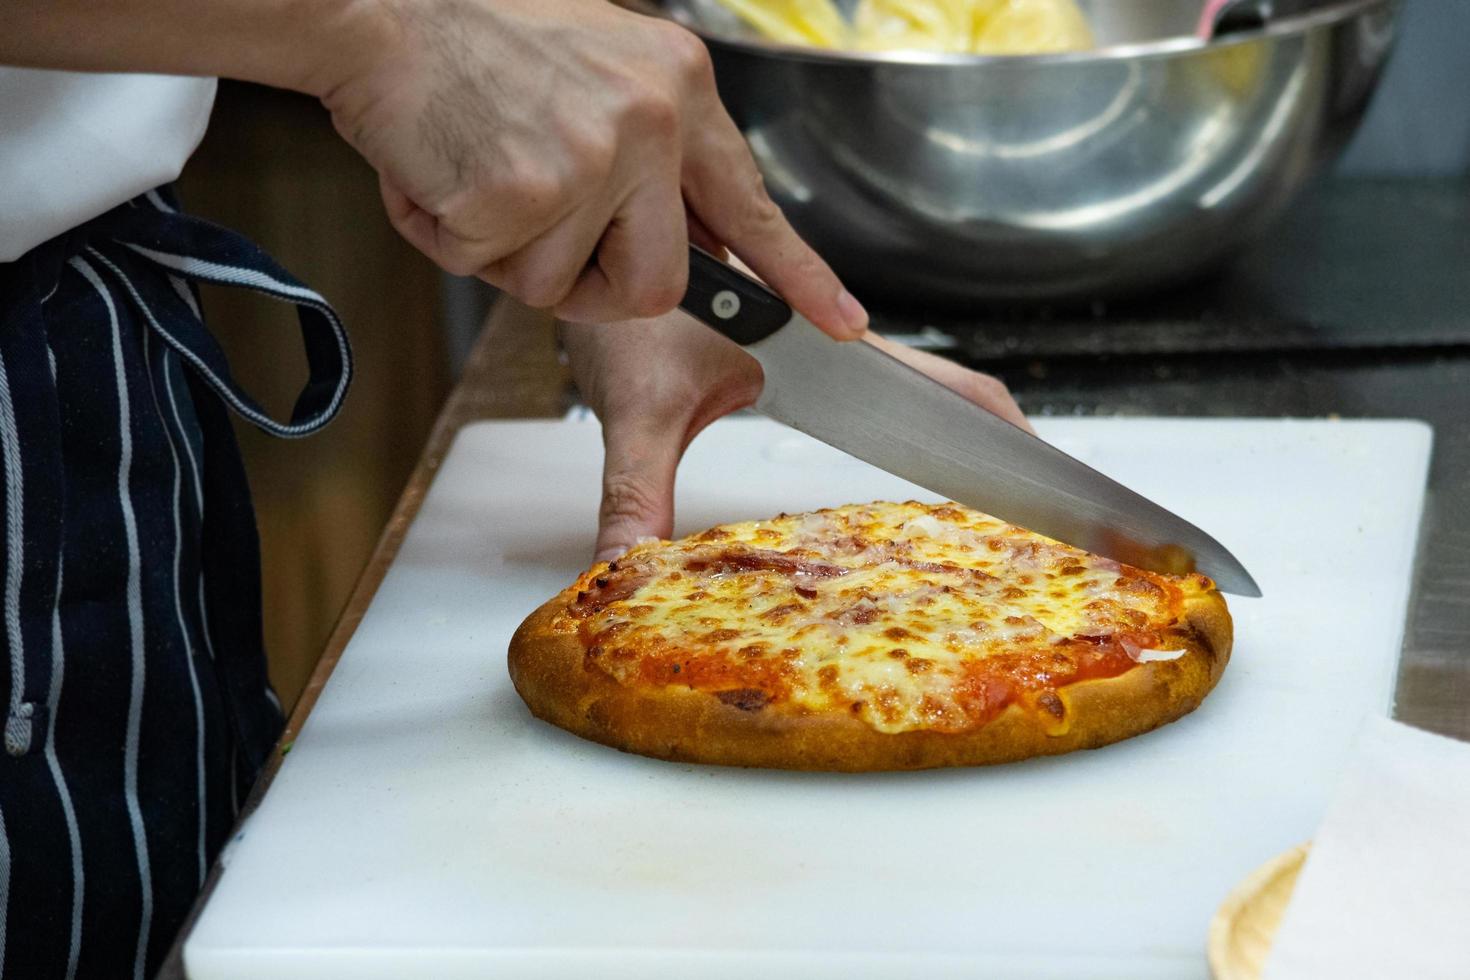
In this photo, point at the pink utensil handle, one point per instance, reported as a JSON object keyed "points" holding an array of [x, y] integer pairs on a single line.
{"points": [[1211, 10]]}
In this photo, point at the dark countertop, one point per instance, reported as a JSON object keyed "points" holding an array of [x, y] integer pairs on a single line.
{"points": [[1357, 264]]}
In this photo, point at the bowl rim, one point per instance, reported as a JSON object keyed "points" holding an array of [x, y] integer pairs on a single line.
{"points": [[1162, 47]]}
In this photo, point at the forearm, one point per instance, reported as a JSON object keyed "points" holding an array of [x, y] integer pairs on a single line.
{"points": [[296, 44]]}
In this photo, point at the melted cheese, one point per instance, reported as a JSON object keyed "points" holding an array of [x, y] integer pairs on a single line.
{"points": [[905, 615]]}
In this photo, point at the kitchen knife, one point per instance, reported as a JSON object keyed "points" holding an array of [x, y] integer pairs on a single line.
{"points": [[857, 398]]}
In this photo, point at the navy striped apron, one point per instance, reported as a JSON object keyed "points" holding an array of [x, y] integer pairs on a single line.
{"points": [[137, 711]]}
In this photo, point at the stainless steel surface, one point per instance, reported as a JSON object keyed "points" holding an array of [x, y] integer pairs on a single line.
{"points": [[929, 435], [960, 178]]}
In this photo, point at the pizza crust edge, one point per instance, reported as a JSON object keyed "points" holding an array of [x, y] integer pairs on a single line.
{"points": [[548, 668]]}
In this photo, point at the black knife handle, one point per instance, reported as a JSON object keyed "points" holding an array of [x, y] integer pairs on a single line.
{"points": [[730, 301]]}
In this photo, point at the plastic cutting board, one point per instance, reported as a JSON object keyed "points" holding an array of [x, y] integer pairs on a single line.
{"points": [[425, 825]]}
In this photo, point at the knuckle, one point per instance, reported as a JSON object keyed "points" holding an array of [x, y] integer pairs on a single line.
{"points": [[459, 262], [650, 110], [627, 498], [659, 116], [761, 214], [537, 297], [987, 388], [539, 293], [686, 52], [598, 151], [591, 151], [534, 187], [654, 297], [536, 285]]}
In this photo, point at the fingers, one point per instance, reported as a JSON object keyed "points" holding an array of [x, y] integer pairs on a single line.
{"points": [[654, 384], [988, 392], [630, 378], [725, 192], [466, 254], [641, 267], [511, 181], [637, 484], [544, 272], [704, 238], [412, 222]]}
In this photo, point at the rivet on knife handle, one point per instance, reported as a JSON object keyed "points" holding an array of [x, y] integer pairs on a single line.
{"points": [[730, 301]]}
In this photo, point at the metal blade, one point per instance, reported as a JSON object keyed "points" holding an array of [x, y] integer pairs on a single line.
{"points": [[860, 400]]}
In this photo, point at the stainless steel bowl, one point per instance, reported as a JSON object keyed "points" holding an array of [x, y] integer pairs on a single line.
{"points": [[958, 178]]}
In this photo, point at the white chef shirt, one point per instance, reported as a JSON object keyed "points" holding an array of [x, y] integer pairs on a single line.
{"points": [[73, 145]]}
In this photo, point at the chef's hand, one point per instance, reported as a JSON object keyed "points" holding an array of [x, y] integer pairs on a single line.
{"points": [[551, 147], [564, 150], [655, 384]]}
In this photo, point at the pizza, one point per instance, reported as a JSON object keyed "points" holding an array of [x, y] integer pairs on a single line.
{"points": [[867, 637]]}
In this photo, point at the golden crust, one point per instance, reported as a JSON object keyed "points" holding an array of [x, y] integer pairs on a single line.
{"points": [[548, 668]]}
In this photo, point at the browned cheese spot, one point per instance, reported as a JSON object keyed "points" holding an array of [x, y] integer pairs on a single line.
{"points": [[888, 703], [778, 613], [933, 709], [1140, 586], [859, 615], [918, 665]]}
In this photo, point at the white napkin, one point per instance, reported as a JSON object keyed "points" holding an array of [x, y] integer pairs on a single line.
{"points": [[1386, 888]]}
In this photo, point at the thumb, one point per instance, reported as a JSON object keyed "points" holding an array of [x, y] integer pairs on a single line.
{"points": [[637, 486]]}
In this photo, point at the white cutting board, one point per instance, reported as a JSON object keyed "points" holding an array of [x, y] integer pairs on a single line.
{"points": [[425, 825]]}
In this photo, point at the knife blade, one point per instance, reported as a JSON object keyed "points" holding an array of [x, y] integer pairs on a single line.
{"points": [[864, 402]]}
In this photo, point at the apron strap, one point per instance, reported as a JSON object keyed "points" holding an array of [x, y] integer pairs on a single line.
{"points": [[191, 250]]}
